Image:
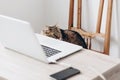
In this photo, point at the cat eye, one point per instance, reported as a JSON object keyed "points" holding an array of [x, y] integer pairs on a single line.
{"points": [[50, 29]]}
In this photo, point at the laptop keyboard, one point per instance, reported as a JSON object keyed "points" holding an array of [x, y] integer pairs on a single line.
{"points": [[50, 51]]}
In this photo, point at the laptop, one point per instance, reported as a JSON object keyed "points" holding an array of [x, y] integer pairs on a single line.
{"points": [[18, 35]]}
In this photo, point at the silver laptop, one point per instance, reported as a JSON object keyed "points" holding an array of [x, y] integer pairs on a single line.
{"points": [[18, 35]]}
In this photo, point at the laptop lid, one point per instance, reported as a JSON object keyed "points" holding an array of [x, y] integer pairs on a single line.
{"points": [[18, 35]]}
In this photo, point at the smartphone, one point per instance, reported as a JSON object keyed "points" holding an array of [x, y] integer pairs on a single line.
{"points": [[65, 74]]}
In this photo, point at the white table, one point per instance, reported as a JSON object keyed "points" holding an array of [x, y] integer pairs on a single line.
{"points": [[14, 66]]}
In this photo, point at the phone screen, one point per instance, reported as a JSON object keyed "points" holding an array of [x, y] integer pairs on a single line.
{"points": [[64, 74]]}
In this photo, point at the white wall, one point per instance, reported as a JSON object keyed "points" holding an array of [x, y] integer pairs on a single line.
{"points": [[118, 25], [115, 37], [29, 10], [56, 11]]}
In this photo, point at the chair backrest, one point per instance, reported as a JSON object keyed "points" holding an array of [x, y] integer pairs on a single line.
{"points": [[87, 35]]}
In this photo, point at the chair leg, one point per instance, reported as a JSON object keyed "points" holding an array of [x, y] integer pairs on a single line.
{"points": [[79, 13], [71, 14], [108, 27], [100, 12]]}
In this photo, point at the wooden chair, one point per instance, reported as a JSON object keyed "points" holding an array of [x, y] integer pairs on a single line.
{"points": [[88, 36]]}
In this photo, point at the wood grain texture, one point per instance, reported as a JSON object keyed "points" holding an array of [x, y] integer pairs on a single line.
{"points": [[71, 14], [79, 14], [108, 27], [100, 12], [15, 66]]}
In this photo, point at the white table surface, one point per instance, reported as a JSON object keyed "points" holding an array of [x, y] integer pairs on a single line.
{"points": [[15, 66]]}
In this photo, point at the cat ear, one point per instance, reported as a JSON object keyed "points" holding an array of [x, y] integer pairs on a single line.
{"points": [[56, 25], [46, 27]]}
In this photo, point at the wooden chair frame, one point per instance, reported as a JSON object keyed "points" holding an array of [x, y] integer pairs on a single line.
{"points": [[89, 35]]}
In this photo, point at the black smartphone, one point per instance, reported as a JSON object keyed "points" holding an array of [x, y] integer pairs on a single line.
{"points": [[64, 74]]}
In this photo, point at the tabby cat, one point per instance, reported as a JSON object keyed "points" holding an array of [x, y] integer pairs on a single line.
{"points": [[65, 35]]}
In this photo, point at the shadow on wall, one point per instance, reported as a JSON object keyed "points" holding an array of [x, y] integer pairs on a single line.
{"points": [[115, 30], [1, 78], [118, 24]]}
